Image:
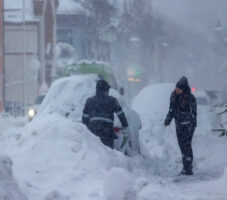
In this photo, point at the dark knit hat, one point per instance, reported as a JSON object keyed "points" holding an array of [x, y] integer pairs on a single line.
{"points": [[102, 85], [183, 84]]}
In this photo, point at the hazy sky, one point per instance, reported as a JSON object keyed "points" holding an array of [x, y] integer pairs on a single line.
{"points": [[200, 15], [195, 21]]}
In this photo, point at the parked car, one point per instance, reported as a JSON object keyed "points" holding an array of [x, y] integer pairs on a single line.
{"points": [[67, 97], [32, 111]]}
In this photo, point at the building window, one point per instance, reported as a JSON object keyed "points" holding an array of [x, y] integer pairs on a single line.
{"points": [[65, 36]]}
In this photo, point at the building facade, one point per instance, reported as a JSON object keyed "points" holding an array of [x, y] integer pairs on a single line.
{"points": [[76, 27], [29, 51]]}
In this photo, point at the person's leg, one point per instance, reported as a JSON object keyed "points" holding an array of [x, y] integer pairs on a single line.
{"points": [[107, 141], [184, 135], [105, 134], [188, 148], [179, 132]]}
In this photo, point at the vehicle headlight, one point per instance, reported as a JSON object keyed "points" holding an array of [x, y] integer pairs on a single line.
{"points": [[31, 112]]}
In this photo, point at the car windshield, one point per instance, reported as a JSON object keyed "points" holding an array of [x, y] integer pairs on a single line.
{"points": [[39, 99], [202, 101]]}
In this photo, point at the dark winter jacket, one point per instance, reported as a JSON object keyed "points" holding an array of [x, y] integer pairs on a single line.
{"points": [[183, 106], [99, 110]]}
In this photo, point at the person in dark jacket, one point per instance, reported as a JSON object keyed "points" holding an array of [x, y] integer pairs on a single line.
{"points": [[183, 109], [98, 114]]}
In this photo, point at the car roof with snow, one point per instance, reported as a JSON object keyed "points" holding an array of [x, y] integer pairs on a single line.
{"points": [[67, 96], [153, 99]]}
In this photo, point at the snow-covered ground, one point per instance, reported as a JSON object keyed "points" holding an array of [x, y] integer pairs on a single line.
{"points": [[7, 122], [57, 158]]}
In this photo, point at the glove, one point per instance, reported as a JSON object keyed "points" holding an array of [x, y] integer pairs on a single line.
{"points": [[125, 131], [166, 124]]}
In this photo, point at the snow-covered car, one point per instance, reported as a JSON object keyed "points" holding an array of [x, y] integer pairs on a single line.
{"points": [[32, 110], [67, 97]]}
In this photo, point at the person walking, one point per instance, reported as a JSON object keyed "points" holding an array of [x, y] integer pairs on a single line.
{"points": [[183, 109]]}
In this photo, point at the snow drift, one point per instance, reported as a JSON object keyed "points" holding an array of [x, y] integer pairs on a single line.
{"points": [[8, 185], [55, 154], [57, 158]]}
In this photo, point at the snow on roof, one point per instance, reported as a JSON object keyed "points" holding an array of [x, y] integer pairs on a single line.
{"points": [[13, 11], [71, 7], [84, 61], [77, 7]]}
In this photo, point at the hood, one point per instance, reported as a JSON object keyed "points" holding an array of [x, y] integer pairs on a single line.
{"points": [[183, 85]]}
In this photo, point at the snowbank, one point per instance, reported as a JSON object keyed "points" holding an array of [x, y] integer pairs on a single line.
{"points": [[6, 122], [54, 156], [153, 99], [8, 185], [57, 158], [119, 185]]}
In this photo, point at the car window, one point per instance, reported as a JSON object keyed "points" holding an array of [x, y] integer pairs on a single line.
{"points": [[39, 99]]}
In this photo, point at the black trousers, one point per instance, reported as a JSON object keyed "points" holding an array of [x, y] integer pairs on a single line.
{"points": [[104, 132], [108, 142], [184, 135]]}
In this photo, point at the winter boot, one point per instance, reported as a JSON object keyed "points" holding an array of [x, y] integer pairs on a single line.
{"points": [[186, 171]]}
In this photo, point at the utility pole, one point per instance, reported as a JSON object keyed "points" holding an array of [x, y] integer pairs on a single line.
{"points": [[1, 55], [24, 59]]}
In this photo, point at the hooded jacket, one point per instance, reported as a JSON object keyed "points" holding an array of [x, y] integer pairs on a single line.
{"points": [[101, 108], [183, 107]]}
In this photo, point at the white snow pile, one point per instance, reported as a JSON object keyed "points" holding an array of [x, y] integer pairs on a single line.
{"points": [[7, 122], [119, 185], [150, 96], [158, 140], [8, 185], [58, 158]]}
